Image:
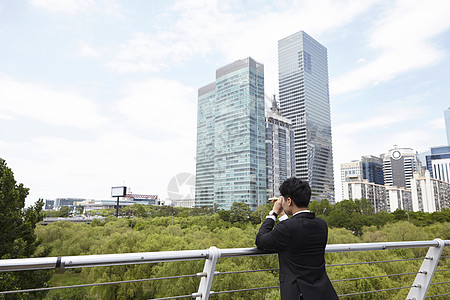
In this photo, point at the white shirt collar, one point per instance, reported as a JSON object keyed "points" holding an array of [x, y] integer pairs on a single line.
{"points": [[301, 211]]}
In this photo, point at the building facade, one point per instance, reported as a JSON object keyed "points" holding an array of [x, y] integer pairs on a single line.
{"points": [[231, 153], [356, 188], [429, 194], [438, 163], [304, 99], [280, 149], [399, 164], [349, 170], [372, 169]]}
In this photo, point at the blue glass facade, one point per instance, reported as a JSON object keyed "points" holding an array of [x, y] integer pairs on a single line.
{"points": [[304, 99], [441, 157], [372, 169], [234, 146]]}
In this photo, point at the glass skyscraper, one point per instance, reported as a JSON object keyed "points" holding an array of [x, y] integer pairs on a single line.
{"points": [[304, 98], [231, 160]]}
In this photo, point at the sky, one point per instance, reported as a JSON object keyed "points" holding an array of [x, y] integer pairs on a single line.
{"points": [[103, 93]]}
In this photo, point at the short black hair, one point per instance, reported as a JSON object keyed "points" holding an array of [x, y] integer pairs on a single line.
{"points": [[296, 189]]}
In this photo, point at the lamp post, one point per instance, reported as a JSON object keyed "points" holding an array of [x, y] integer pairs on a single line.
{"points": [[118, 191]]}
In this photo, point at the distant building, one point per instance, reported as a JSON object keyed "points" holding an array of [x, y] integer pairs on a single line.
{"points": [[183, 203], [399, 164], [429, 194], [352, 169], [280, 151], [398, 198], [304, 99], [447, 124], [372, 169], [355, 188], [231, 150], [142, 199], [438, 163], [49, 204]]}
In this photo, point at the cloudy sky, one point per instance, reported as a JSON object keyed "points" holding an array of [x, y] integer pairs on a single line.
{"points": [[99, 93]]}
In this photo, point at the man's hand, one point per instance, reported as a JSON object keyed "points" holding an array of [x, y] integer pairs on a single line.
{"points": [[277, 207]]}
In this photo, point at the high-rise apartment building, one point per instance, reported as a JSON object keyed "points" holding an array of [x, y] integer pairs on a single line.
{"points": [[304, 99], [399, 164], [279, 150], [447, 124], [231, 154]]}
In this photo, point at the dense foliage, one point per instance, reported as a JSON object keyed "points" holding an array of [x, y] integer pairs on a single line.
{"points": [[148, 229], [17, 235]]}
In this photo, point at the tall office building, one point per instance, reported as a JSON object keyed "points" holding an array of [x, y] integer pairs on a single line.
{"points": [[447, 124], [231, 154], [304, 99], [279, 149], [350, 171], [399, 164], [372, 169]]}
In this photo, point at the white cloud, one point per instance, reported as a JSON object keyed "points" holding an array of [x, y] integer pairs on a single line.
{"points": [[88, 51], [48, 105], [165, 106], [403, 38], [437, 123], [206, 27], [109, 7]]}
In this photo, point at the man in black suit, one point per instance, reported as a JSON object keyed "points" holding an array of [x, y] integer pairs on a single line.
{"points": [[300, 242]]}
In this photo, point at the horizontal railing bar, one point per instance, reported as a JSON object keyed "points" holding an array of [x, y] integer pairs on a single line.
{"points": [[442, 270], [247, 271], [173, 297], [443, 282], [245, 290], [378, 276], [99, 260], [165, 256], [376, 291], [373, 262], [94, 284], [437, 295]]}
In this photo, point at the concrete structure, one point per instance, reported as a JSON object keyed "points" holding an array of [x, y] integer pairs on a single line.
{"points": [[183, 203], [304, 99], [399, 164], [398, 198], [438, 163], [352, 169], [429, 194], [279, 150], [231, 151], [355, 188]]}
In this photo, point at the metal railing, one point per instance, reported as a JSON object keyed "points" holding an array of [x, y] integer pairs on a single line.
{"points": [[417, 290]]}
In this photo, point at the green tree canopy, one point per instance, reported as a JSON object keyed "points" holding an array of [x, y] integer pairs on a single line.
{"points": [[17, 236]]}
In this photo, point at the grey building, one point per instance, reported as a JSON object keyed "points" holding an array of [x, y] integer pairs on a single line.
{"points": [[372, 169], [279, 149], [399, 164], [304, 99], [231, 154]]}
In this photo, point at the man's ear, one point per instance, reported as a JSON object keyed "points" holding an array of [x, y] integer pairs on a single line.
{"points": [[289, 201]]}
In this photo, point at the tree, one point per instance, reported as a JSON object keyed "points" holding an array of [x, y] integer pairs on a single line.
{"points": [[17, 236], [239, 212]]}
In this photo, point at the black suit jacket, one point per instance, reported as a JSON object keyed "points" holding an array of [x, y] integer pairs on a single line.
{"points": [[300, 243]]}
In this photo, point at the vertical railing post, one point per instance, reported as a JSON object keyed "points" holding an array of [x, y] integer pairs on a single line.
{"points": [[204, 287], [423, 279]]}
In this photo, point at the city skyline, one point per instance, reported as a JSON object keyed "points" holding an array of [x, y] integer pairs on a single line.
{"points": [[95, 94]]}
